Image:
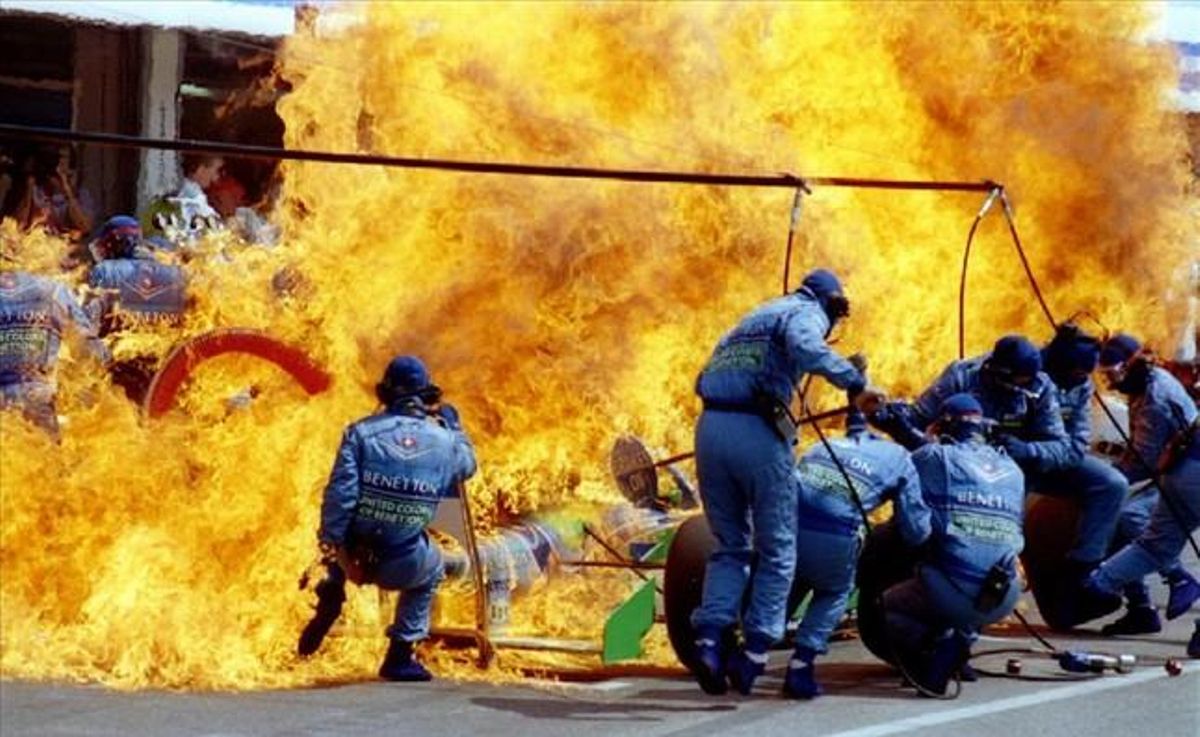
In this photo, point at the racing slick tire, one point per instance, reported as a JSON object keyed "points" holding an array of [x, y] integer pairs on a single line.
{"points": [[1050, 524], [886, 560], [683, 585]]}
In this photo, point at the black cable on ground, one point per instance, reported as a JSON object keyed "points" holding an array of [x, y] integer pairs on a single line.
{"points": [[1036, 635], [1058, 678], [790, 181]]}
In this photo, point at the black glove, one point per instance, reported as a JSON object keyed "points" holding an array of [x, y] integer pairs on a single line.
{"points": [[449, 416], [1017, 449], [859, 361], [887, 417], [894, 418]]}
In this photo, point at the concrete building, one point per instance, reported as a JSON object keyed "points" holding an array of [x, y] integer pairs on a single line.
{"points": [[156, 69]]}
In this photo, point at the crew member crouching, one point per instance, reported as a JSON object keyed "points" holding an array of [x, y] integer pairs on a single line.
{"points": [[132, 292], [830, 530], [392, 470], [966, 580], [1165, 447]]}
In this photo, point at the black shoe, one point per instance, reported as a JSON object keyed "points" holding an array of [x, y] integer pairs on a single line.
{"points": [[331, 594], [944, 661], [1141, 620], [800, 681], [400, 665], [1084, 602]]}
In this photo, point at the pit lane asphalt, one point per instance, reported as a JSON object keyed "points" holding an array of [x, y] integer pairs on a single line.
{"points": [[863, 699]]}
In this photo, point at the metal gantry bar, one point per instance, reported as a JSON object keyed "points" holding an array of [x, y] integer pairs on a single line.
{"points": [[218, 148]]}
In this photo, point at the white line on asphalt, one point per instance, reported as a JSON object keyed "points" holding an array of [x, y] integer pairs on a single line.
{"points": [[606, 685], [1015, 702], [576, 689]]}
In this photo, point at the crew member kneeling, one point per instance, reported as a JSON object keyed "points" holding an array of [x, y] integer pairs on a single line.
{"points": [[976, 494], [1155, 527], [830, 532], [392, 470], [131, 293]]}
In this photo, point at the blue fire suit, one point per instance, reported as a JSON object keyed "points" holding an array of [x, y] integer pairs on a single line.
{"points": [[392, 470], [1132, 522], [1099, 486], [1156, 416], [131, 293], [1035, 419], [746, 467], [976, 494], [830, 526], [135, 291], [34, 312]]}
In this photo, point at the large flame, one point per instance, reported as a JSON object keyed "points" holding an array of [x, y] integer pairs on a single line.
{"points": [[557, 314]]}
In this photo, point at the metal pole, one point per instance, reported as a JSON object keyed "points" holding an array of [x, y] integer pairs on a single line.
{"points": [[790, 181], [482, 640]]}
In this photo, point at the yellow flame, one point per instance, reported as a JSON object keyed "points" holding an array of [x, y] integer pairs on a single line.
{"points": [[557, 314]]}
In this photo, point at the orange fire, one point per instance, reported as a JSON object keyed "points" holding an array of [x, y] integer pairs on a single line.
{"points": [[558, 314]]}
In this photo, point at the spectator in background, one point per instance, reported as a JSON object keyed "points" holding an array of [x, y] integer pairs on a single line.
{"points": [[199, 173], [228, 196], [46, 193]]}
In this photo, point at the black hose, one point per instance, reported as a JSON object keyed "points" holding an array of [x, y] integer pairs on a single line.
{"points": [[587, 529], [1036, 635], [787, 257], [962, 281], [1016, 238], [1154, 476]]}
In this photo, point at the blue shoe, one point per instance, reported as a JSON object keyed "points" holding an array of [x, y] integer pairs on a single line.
{"points": [[744, 667], [710, 667], [1185, 590], [1141, 620], [800, 681], [400, 665], [1193, 649]]}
